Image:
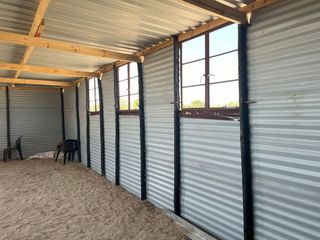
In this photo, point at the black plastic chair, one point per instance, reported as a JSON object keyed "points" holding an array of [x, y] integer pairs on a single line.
{"points": [[16, 147], [69, 147]]}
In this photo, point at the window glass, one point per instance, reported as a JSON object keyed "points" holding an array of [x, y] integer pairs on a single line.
{"points": [[134, 85], [134, 102], [224, 95], [123, 102], [193, 49], [223, 40], [123, 88], [123, 72], [194, 97], [224, 67], [193, 73], [93, 95], [133, 70]]}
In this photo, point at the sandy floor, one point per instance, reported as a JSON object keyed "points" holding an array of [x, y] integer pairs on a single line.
{"points": [[41, 199]]}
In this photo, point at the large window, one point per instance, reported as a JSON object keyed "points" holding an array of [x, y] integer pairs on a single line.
{"points": [[128, 88], [209, 74], [94, 106]]}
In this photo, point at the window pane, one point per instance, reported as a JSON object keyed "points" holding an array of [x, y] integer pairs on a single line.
{"points": [[123, 101], [133, 70], [123, 72], [193, 73], [224, 40], [134, 102], [91, 95], [123, 88], [134, 85], [224, 95], [91, 83], [224, 67], [193, 49], [92, 106], [97, 106], [97, 93], [193, 97]]}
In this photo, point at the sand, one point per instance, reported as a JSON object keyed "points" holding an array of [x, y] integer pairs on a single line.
{"points": [[42, 199]]}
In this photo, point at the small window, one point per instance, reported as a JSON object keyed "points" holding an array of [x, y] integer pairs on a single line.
{"points": [[94, 106], [209, 75], [128, 81]]}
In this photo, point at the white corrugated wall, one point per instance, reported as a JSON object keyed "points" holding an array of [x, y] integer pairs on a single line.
{"points": [[35, 115], [109, 124], [83, 123], [3, 121], [211, 182], [284, 77], [95, 143], [70, 118], [158, 84], [130, 153]]}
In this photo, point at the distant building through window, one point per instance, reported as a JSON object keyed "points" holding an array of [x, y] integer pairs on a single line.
{"points": [[94, 106], [209, 72], [128, 81]]}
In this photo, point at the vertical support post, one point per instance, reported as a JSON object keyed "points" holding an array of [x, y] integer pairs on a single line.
{"points": [[177, 164], [8, 121], [142, 135], [102, 140], [78, 122], [88, 124], [248, 227], [62, 115], [117, 130]]}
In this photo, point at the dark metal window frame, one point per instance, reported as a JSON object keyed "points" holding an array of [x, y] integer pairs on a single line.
{"points": [[128, 111], [96, 100], [206, 112]]}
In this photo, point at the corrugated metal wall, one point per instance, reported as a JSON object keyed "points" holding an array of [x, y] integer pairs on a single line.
{"points": [[35, 115], [70, 113], [95, 143], [83, 123], [130, 153], [158, 77], [3, 120], [211, 183], [284, 76], [109, 124]]}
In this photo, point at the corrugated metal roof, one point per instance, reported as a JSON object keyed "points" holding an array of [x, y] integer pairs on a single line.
{"points": [[28, 75], [11, 53]]}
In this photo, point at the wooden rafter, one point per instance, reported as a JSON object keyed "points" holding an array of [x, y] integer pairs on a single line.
{"points": [[45, 70], [35, 30], [65, 46], [36, 82], [219, 10]]}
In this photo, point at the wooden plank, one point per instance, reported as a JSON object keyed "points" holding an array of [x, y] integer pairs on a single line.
{"points": [[35, 82], [65, 46], [46, 70], [219, 10], [35, 30]]}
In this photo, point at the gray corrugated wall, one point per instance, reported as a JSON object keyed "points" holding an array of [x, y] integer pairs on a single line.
{"points": [[83, 123], [284, 77], [70, 113], [211, 182], [3, 120], [130, 153], [36, 115], [109, 124], [158, 84], [95, 143]]}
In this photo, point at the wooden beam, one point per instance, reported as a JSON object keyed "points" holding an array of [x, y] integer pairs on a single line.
{"points": [[219, 10], [65, 46], [35, 30], [35, 82], [258, 4], [45, 70]]}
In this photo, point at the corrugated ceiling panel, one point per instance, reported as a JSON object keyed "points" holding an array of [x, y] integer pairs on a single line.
{"points": [[28, 75], [130, 154], [109, 124], [3, 119], [11, 53], [284, 55], [70, 113], [35, 115], [6, 73], [211, 182], [95, 143], [158, 84], [83, 123]]}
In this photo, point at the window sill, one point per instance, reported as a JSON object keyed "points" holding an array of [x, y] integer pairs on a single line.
{"points": [[129, 112], [94, 113], [231, 114]]}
